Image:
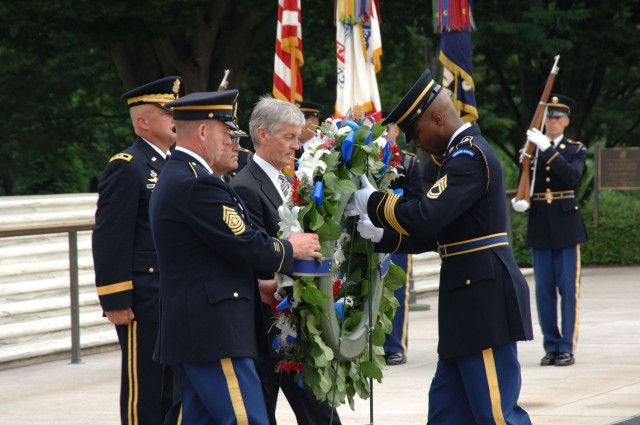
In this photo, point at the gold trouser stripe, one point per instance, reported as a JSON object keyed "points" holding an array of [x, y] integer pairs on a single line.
{"points": [[115, 287], [180, 416], [132, 367], [234, 392], [494, 387], [405, 321], [576, 325]]}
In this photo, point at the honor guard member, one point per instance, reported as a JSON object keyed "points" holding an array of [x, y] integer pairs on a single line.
{"points": [[311, 111], [409, 185], [483, 297], [124, 255], [243, 154], [209, 252], [555, 231]]}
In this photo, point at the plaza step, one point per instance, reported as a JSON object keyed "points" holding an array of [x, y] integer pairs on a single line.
{"points": [[35, 312]]}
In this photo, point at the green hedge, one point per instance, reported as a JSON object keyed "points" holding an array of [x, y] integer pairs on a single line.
{"points": [[616, 239]]}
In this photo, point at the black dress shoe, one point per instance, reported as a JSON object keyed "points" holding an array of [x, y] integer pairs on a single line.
{"points": [[549, 359], [394, 359], [565, 359]]}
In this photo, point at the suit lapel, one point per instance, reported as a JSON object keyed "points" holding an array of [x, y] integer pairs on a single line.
{"points": [[266, 185]]}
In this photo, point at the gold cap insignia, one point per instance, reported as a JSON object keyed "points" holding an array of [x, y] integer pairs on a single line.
{"points": [[233, 220], [176, 87], [554, 99]]}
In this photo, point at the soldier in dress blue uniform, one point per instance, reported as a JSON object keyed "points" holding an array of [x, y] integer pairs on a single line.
{"points": [[209, 253], [244, 154], [311, 112], [409, 184], [483, 298], [124, 256], [556, 230]]}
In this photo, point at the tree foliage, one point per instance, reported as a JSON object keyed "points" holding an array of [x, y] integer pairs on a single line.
{"points": [[66, 62]]}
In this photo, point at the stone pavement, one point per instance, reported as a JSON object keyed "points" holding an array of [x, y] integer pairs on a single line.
{"points": [[602, 388]]}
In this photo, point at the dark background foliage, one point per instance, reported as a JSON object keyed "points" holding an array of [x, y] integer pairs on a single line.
{"points": [[65, 63]]}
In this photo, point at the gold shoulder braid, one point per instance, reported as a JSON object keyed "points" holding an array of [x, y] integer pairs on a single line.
{"points": [[122, 156]]}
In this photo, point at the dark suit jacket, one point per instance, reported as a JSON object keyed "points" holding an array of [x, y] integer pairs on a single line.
{"points": [[483, 296], [208, 250], [259, 195], [124, 255], [558, 224]]}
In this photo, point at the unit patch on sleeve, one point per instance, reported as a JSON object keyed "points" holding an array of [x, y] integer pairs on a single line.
{"points": [[437, 188], [233, 220], [465, 152]]}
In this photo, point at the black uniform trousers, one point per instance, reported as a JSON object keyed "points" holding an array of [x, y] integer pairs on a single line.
{"points": [[141, 379]]}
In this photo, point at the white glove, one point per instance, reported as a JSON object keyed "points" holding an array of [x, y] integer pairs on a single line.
{"points": [[367, 230], [358, 203], [540, 140], [521, 205]]}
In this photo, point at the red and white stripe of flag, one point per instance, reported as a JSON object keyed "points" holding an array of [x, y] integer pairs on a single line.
{"points": [[287, 82]]}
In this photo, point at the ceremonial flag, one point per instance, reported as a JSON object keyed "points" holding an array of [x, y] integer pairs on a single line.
{"points": [[454, 20], [358, 51], [287, 82]]}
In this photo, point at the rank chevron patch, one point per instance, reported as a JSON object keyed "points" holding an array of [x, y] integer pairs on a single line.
{"points": [[437, 188], [233, 220]]}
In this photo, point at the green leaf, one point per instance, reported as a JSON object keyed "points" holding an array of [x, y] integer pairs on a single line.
{"points": [[378, 335], [370, 370], [314, 297], [316, 220], [345, 186], [395, 278], [330, 230]]}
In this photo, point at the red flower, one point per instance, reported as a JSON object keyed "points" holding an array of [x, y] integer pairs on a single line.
{"points": [[291, 367], [297, 199], [337, 286]]}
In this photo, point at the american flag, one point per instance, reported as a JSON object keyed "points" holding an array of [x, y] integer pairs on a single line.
{"points": [[287, 82]]}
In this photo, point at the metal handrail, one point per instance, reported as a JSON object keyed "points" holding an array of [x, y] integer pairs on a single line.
{"points": [[72, 230]]}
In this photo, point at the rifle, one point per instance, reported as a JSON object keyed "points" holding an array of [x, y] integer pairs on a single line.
{"points": [[524, 185], [224, 83]]}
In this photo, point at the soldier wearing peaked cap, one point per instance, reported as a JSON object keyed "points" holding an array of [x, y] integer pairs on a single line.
{"points": [[126, 267], [209, 253], [483, 298], [311, 112], [244, 154], [555, 231]]}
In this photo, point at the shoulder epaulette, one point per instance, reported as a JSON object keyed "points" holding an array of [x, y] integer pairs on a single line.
{"points": [[246, 150], [574, 142], [123, 156]]}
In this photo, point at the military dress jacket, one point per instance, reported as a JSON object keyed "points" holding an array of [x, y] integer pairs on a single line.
{"points": [[208, 252], [410, 180], [483, 296], [555, 220], [124, 256]]}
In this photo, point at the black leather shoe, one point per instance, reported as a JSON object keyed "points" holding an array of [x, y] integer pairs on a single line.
{"points": [[394, 359], [565, 359], [549, 359]]}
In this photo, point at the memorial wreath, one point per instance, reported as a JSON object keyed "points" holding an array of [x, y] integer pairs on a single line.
{"points": [[333, 315]]}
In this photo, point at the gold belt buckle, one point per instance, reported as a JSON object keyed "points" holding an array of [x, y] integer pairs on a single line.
{"points": [[548, 196]]}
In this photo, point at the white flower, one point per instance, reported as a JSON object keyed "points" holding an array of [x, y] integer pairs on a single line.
{"points": [[338, 254], [308, 165], [289, 220], [283, 281], [381, 142]]}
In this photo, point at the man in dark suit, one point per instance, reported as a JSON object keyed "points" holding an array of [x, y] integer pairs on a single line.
{"points": [[556, 230], [124, 256], [275, 128], [208, 253], [483, 298]]}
